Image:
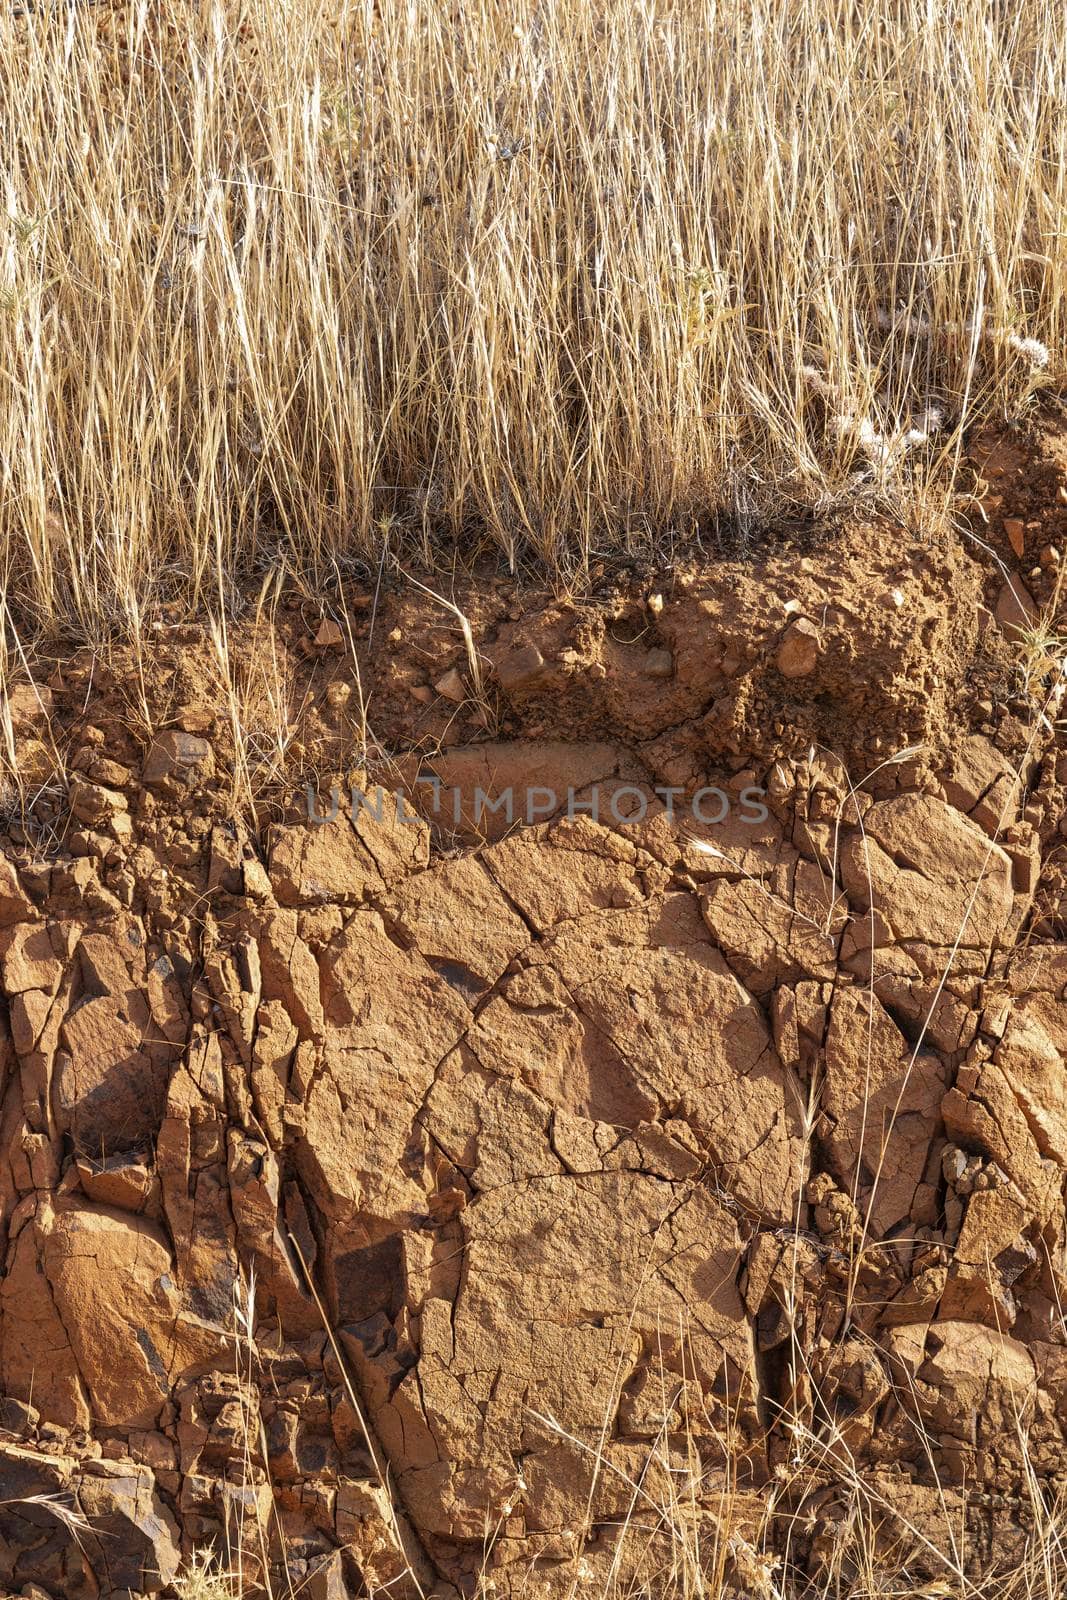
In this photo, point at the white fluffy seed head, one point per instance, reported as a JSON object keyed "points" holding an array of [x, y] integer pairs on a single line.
{"points": [[1031, 349]]}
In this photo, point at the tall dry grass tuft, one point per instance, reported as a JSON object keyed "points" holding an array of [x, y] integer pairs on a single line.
{"points": [[563, 275]]}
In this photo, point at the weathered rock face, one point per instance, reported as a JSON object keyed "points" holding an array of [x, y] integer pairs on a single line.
{"points": [[540, 1157], [403, 1206]]}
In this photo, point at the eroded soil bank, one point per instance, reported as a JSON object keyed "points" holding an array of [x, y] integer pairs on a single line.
{"points": [[577, 1166]]}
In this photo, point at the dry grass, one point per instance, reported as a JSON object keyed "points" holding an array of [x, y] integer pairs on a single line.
{"points": [[204, 1578], [285, 284]]}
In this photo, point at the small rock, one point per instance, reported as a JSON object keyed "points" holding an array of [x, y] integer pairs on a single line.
{"points": [[29, 705], [521, 667], [93, 803], [15, 905], [154, 1449], [329, 636], [1015, 532], [422, 693], [36, 762], [224, 862], [111, 773], [798, 651], [338, 695], [1049, 556], [659, 664], [1015, 610], [655, 604], [452, 687], [17, 1417], [121, 1181], [446, 1204], [179, 759], [135, 1528], [257, 885], [82, 759], [195, 719], [326, 1580], [121, 827]]}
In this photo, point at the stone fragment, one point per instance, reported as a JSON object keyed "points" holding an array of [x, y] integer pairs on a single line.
{"points": [[1015, 610], [117, 1181], [694, 1041], [975, 1384], [31, 1323], [931, 873], [523, 1322], [519, 668], [29, 958], [341, 862], [195, 718], [15, 904], [111, 1276], [326, 1580], [29, 705], [109, 1090], [111, 773], [30, 1535], [451, 687], [18, 1419], [983, 784], [798, 650], [776, 931], [390, 1021], [455, 915], [134, 1544], [484, 790], [659, 664], [881, 1098], [330, 635], [568, 869], [93, 803], [178, 760]]}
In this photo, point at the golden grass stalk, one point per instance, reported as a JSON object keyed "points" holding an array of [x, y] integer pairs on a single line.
{"points": [[549, 275]]}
